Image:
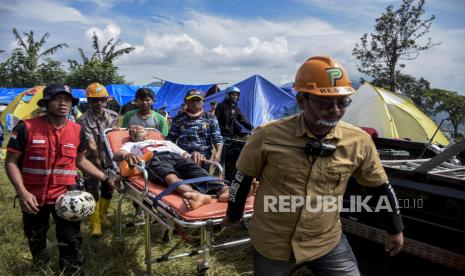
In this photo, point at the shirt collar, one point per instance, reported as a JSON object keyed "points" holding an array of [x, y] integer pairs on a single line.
{"points": [[104, 114]]}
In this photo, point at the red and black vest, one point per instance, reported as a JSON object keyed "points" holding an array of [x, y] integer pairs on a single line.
{"points": [[49, 159]]}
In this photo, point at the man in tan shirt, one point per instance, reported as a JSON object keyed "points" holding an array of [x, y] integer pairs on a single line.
{"points": [[94, 122], [302, 161]]}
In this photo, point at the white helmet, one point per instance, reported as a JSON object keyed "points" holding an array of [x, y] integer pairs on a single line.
{"points": [[75, 205]]}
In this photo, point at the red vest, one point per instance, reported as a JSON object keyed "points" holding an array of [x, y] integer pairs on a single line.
{"points": [[49, 159]]}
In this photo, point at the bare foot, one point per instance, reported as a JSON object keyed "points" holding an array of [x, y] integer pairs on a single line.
{"points": [[223, 195], [194, 200]]}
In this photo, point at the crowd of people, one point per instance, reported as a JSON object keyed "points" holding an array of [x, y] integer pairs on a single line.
{"points": [[311, 153]]}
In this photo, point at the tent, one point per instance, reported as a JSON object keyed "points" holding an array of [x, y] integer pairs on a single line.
{"points": [[392, 115], [23, 106], [8, 94], [124, 93], [260, 100], [171, 95]]}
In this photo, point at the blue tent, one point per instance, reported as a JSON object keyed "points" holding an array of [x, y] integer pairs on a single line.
{"points": [[288, 87], [172, 95], [124, 93], [79, 93], [260, 100], [8, 94]]}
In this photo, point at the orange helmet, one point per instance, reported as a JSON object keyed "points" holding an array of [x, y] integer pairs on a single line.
{"points": [[323, 76], [96, 90]]}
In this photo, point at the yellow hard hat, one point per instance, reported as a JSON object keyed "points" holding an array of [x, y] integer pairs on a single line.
{"points": [[323, 76], [96, 90]]}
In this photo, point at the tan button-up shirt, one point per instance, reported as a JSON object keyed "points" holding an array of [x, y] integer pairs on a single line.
{"points": [[275, 152], [94, 126]]}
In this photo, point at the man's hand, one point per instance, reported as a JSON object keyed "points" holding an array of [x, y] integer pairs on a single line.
{"points": [[198, 158], [132, 159], [217, 157], [113, 181], [28, 203], [394, 243]]}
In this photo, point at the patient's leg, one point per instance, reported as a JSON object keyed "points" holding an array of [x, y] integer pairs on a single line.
{"points": [[223, 194], [193, 198]]}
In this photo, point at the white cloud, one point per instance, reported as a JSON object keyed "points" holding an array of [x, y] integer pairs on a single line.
{"points": [[46, 11], [353, 8], [442, 65], [108, 4], [206, 41], [255, 52], [199, 47], [110, 31]]}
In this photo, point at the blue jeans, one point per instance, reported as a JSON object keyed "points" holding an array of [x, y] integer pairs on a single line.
{"points": [[338, 262]]}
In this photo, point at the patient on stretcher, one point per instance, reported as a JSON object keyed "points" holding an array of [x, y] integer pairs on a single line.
{"points": [[167, 163]]}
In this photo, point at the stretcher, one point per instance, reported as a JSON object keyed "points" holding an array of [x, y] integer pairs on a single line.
{"points": [[170, 211]]}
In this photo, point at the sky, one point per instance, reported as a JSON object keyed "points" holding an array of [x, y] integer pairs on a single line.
{"points": [[224, 41]]}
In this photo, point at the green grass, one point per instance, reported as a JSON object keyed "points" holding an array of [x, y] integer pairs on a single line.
{"points": [[104, 256]]}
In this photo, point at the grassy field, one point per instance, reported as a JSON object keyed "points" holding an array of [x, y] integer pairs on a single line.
{"points": [[105, 256]]}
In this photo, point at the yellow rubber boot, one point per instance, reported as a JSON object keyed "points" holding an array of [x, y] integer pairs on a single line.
{"points": [[104, 205], [95, 222]]}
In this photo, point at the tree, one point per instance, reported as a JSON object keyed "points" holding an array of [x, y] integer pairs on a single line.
{"points": [[395, 38], [12, 72], [81, 75], [416, 90], [108, 53], [51, 71], [32, 50], [99, 67], [450, 102], [24, 68]]}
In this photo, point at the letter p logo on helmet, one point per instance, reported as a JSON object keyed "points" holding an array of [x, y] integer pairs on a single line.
{"points": [[334, 75]]}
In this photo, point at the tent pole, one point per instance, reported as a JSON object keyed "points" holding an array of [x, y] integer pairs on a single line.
{"points": [[431, 139]]}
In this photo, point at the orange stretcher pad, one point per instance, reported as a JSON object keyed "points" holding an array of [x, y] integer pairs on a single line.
{"points": [[117, 138]]}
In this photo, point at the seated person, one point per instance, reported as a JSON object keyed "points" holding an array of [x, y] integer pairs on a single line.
{"points": [[168, 164]]}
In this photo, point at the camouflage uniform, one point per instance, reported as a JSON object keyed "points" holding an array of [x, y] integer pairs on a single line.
{"points": [[196, 134]]}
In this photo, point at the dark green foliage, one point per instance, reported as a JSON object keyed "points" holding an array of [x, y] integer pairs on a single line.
{"points": [[397, 37], [24, 67], [99, 67], [450, 102]]}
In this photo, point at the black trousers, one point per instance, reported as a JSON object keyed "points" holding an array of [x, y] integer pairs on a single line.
{"points": [[165, 163], [68, 234], [93, 185]]}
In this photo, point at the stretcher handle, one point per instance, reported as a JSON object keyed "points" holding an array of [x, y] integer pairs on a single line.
{"points": [[217, 166], [141, 166]]}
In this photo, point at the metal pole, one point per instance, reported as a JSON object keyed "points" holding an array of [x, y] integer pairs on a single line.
{"points": [[148, 245], [119, 235]]}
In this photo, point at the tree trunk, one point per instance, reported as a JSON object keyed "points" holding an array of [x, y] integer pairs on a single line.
{"points": [[392, 76]]}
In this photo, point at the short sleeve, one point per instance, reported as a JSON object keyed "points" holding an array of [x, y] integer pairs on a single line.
{"points": [[82, 148], [87, 131], [371, 172], [127, 146], [163, 125], [126, 118], [18, 138], [252, 157]]}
